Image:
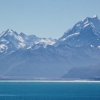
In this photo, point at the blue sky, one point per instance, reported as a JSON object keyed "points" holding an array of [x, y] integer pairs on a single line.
{"points": [[45, 18]]}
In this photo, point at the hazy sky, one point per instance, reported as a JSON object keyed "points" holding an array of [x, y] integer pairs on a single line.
{"points": [[45, 18]]}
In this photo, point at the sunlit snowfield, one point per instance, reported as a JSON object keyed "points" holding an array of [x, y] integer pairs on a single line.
{"points": [[48, 90]]}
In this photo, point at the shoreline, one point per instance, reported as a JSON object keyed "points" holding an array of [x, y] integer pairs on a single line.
{"points": [[50, 81]]}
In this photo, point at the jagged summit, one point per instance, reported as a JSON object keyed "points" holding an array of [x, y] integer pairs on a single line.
{"points": [[88, 21], [11, 41], [84, 33], [9, 30]]}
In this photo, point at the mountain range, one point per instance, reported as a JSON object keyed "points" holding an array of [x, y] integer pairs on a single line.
{"points": [[30, 57], [11, 41]]}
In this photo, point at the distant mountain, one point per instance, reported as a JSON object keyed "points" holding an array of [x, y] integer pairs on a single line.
{"points": [[11, 41], [89, 72], [85, 36], [84, 33], [27, 56]]}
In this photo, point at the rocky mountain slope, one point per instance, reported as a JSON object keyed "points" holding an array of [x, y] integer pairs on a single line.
{"points": [[89, 72]]}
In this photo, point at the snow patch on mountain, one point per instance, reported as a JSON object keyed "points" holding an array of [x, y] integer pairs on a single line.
{"points": [[99, 47], [95, 16], [3, 47], [69, 36], [92, 46]]}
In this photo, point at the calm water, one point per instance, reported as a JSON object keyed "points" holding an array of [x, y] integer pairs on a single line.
{"points": [[49, 90]]}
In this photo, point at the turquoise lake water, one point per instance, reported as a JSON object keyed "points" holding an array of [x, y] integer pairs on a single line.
{"points": [[49, 90]]}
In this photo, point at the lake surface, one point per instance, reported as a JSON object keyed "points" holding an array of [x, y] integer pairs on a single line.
{"points": [[49, 90]]}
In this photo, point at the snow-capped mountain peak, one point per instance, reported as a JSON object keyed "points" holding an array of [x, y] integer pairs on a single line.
{"points": [[93, 22], [85, 32], [11, 41], [10, 32]]}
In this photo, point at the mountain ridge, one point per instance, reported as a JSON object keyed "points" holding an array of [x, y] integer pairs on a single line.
{"points": [[11, 39], [74, 36]]}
